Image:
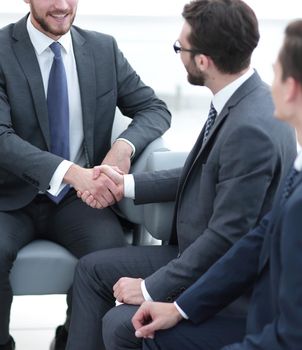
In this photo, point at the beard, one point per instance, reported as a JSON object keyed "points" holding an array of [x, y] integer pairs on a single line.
{"points": [[196, 79], [195, 76], [48, 28]]}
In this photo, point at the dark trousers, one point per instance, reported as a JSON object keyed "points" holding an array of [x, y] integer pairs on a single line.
{"points": [[71, 223], [95, 276], [212, 334]]}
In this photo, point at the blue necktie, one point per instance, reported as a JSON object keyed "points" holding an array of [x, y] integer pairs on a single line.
{"points": [[209, 123], [58, 111]]}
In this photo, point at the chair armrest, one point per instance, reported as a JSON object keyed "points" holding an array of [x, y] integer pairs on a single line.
{"points": [[158, 216], [126, 207]]}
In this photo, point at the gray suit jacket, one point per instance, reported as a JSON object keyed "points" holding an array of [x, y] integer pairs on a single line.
{"points": [[225, 187], [106, 81]]}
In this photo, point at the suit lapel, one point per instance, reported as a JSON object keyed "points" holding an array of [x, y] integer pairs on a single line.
{"points": [[86, 72], [26, 56], [202, 149], [274, 224]]}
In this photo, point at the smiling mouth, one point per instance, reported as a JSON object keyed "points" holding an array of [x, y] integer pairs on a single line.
{"points": [[59, 17]]}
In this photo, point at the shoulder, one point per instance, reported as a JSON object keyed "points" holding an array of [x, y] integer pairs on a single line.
{"points": [[6, 33], [92, 37], [6, 42]]}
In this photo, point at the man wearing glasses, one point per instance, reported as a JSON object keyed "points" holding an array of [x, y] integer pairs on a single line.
{"points": [[225, 187]]}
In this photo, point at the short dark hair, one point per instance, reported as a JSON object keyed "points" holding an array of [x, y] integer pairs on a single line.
{"points": [[290, 56], [225, 30]]}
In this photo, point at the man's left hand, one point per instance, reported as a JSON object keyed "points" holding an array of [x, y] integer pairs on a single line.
{"points": [[128, 290]]}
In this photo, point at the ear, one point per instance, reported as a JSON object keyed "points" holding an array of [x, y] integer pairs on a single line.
{"points": [[292, 89], [202, 62]]}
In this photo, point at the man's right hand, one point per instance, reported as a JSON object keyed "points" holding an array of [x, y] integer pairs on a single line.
{"points": [[97, 192], [153, 316]]}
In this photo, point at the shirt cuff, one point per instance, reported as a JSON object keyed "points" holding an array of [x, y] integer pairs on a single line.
{"points": [[56, 183], [183, 314], [129, 186], [129, 143], [145, 292]]}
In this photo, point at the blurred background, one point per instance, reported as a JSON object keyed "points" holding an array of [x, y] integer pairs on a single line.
{"points": [[145, 32]]}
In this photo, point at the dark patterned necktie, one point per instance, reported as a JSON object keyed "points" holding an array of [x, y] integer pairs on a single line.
{"points": [[58, 111], [210, 122], [288, 185]]}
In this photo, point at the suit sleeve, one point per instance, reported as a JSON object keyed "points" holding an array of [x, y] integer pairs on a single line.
{"points": [[157, 186], [248, 162], [285, 330], [18, 156], [150, 116], [227, 279]]}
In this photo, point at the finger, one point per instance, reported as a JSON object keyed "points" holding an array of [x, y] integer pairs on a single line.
{"points": [[103, 202], [92, 204], [85, 195], [106, 198], [145, 331], [117, 294], [90, 200], [138, 320], [96, 172], [115, 191], [142, 316], [98, 205]]}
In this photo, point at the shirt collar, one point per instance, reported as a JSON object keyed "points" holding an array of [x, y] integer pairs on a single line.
{"points": [[41, 41], [222, 96], [298, 161]]}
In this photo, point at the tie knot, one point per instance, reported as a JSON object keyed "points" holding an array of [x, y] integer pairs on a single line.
{"points": [[56, 49]]}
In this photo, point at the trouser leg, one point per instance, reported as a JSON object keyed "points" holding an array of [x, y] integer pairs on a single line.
{"points": [[92, 289], [82, 230], [212, 334], [118, 331], [16, 231]]}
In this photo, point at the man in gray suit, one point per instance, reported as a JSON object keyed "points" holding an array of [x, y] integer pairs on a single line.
{"points": [[226, 185], [99, 79]]}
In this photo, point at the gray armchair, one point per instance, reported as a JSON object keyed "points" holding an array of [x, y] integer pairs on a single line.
{"points": [[44, 267]]}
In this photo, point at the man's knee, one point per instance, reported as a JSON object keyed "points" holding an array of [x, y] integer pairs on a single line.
{"points": [[8, 254], [118, 331]]}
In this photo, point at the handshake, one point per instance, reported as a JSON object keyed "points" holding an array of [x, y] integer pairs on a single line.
{"points": [[102, 185], [98, 187]]}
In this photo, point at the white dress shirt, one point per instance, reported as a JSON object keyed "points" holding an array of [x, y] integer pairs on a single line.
{"points": [[298, 162]]}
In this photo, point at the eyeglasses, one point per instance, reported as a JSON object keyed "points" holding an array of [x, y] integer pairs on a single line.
{"points": [[177, 48]]}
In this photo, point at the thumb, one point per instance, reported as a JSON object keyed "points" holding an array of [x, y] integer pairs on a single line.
{"points": [[110, 172], [118, 170], [96, 172]]}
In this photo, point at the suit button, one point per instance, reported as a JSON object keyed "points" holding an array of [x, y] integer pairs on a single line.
{"points": [[169, 299]]}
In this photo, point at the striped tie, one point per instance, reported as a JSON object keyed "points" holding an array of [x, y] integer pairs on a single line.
{"points": [[209, 123]]}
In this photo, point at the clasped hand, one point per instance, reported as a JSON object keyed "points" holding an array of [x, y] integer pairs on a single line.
{"points": [[153, 316], [104, 187]]}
